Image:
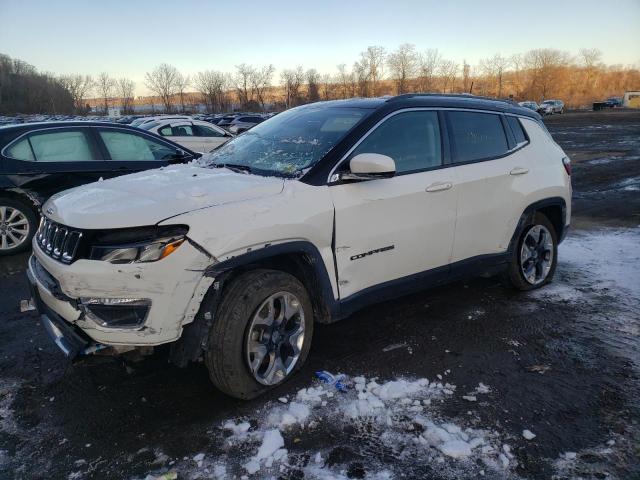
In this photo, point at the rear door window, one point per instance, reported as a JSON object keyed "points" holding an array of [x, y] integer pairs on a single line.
{"points": [[54, 146], [517, 130], [476, 136]]}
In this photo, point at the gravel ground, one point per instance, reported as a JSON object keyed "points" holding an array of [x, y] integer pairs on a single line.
{"points": [[562, 362]]}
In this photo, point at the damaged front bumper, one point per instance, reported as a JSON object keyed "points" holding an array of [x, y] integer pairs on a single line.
{"points": [[71, 340], [174, 288]]}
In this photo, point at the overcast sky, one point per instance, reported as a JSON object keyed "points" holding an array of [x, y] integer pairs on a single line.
{"points": [[128, 38]]}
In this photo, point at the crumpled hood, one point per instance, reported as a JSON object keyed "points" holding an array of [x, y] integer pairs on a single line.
{"points": [[146, 198]]}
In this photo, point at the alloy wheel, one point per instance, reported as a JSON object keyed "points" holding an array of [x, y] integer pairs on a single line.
{"points": [[14, 227], [275, 338], [536, 254]]}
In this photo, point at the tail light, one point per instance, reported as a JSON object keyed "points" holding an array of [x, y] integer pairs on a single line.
{"points": [[566, 162]]}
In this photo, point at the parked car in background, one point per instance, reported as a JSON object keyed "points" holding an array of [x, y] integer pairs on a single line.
{"points": [[314, 214], [197, 135], [128, 119], [225, 121], [141, 121], [549, 107], [38, 160], [244, 123], [530, 105], [613, 102]]}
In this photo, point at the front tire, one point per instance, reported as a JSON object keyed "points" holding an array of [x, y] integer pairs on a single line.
{"points": [[261, 333], [534, 260], [18, 225]]}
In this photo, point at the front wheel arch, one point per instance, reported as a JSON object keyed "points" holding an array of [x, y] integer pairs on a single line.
{"points": [[300, 259]]}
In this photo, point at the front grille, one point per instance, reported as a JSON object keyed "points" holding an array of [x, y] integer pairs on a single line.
{"points": [[58, 241]]}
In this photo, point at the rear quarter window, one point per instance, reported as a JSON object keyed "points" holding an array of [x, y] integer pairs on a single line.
{"points": [[517, 130], [21, 150], [476, 136]]}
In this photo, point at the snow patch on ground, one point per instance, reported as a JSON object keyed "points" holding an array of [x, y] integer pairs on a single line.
{"points": [[591, 462], [610, 256], [398, 418]]}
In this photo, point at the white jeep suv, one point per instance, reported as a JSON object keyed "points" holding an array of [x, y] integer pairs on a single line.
{"points": [[305, 218]]}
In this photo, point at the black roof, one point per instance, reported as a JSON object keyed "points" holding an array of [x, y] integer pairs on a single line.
{"points": [[61, 123], [9, 132], [433, 100]]}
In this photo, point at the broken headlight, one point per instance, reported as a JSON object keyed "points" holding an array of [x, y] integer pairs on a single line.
{"points": [[146, 244]]}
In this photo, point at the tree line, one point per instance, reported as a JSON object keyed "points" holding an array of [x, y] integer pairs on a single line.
{"points": [[23, 89], [537, 75]]}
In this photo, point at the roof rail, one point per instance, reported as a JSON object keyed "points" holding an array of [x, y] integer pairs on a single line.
{"points": [[449, 95]]}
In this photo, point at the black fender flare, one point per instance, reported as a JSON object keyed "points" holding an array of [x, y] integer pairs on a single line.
{"points": [[529, 212], [194, 336], [297, 247]]}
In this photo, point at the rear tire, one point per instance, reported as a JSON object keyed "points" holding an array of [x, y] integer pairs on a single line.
{"points": [[18, 225], [261, 334], [535, 256]]}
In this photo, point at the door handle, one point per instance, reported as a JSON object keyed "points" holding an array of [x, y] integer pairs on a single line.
{"points": [[519, 171], [439, 187]]}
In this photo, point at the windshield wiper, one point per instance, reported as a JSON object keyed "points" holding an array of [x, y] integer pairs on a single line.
{"points": [[234, 167]]}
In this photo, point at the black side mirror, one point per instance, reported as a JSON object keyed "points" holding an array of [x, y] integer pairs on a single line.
{"points": [[179, 157]]}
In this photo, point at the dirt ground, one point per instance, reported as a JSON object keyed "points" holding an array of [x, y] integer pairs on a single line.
{"points": [[562, 362]]}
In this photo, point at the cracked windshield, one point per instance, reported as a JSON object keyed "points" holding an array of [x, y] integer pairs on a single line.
{"points": [[288, 143]]}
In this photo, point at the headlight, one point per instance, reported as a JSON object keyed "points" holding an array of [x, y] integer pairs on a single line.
{"points": [[148, 244]]}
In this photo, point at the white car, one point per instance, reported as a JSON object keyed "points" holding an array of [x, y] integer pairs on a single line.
{"points": [[549, 107], [196, 135], [142, 120], [308, 217]]}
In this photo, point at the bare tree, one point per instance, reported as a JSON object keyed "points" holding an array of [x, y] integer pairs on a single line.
{"points": [[105, 86], [360, 74], [346, 82], [261, 81], [313, 85], [466, 77], [325, 86], [182, 83], [545, 66], [448, 70], [163, 81], [78, 87], [403, 65], [494, 68], [125, 88], [372, 60], [590, 58], [429, 65], [212, 86], [291, 81], [517, 63], [242, 83]]}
